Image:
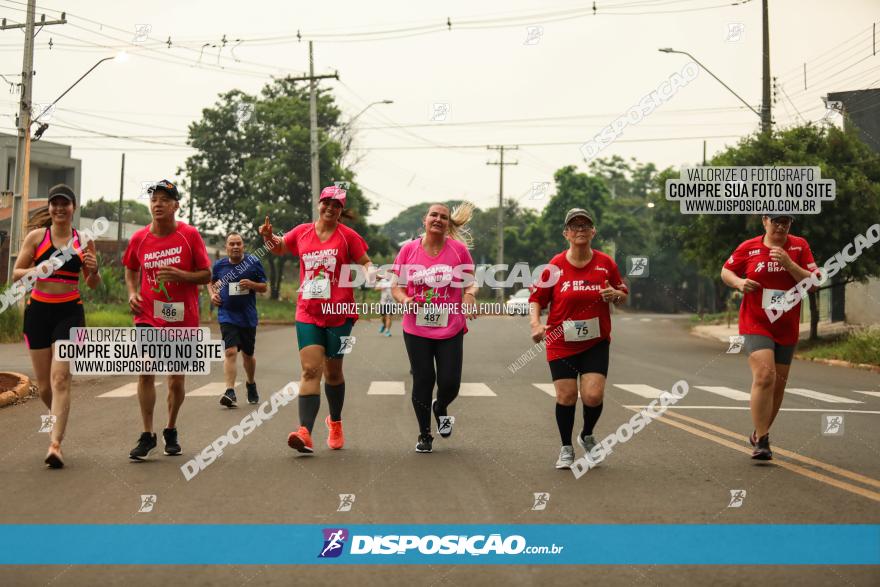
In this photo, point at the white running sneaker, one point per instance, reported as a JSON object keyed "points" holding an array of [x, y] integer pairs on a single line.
{"points": [[566, 457]]}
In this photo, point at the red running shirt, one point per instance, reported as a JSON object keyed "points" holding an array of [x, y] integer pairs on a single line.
{"points": [[321, 263], [169, 303], [575, 299], [751, 260]]}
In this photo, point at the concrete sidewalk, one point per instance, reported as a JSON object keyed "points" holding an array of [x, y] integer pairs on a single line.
{"points": [[723, 333]]}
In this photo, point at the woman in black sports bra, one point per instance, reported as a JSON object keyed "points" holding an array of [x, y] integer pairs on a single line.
{"points": [[54, 306]]}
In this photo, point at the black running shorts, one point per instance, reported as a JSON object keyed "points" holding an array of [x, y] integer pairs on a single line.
{"points": [[239, 336], [592, 360], [45, 323]]}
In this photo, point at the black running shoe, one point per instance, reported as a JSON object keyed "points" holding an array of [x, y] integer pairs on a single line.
{"points": [[171, 445], [762, 450], [146, 443], [425, 443], [228, 398], [253, 396]]}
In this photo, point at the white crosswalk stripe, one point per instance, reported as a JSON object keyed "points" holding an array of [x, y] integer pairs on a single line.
{"points": [[825, 397], [475, 390], [645, 391], [546, 388], [386, 388], [213, 389], [728, 392], [127, 390], [871, 393]]}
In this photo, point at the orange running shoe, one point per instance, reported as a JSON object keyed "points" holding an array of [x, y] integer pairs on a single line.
{"points": [[335, 440], [301, 440]]}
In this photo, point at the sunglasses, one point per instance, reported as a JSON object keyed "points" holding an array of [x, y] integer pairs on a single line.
{"points": [[579, 227]]}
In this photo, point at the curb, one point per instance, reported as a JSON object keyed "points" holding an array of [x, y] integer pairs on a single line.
{"points": [[839, 363], [16, 393]]}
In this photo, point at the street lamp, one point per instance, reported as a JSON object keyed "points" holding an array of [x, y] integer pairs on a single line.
{"points": [[19, 218], [669, 50], [120, 57]]}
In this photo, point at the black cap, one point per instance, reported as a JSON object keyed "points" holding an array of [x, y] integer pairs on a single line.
{"points": [[62, 190], [165, 186], [575, 213], [772, 216]]}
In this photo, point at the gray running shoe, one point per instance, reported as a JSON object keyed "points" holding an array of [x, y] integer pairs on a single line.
{"points": [[566, 457]]}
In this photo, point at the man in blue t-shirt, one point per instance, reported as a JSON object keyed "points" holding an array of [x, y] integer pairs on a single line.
{"points": [[235, 281]]}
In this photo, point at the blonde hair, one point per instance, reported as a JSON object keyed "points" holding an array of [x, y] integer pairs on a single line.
{"points": [[458, 221]]}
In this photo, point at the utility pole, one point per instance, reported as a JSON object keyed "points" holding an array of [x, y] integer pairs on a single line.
{"points": [[119, 211], [501, 163], [313, 127], [21, 187], [766, 114]]}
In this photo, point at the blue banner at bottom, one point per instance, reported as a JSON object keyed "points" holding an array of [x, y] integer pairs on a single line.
{"points": [[526, 544]]}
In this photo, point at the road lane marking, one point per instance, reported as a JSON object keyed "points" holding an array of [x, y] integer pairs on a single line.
{"points": [[728, 392], [823, 410], [645, 391], [475, 390], [824, 397], [213, 389], [867, 493], [547, 388], [871, 393], [386, 388], [127, 390], [786, 453]]}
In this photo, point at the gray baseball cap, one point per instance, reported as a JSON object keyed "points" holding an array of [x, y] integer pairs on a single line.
{"points": [[576, 212], [772, 216]]}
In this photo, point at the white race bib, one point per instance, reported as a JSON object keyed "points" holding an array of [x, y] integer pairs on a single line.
{"points": [[432, 318], [316, 289], [773, 298], [580, 330], [168, 311], [235, 289]]}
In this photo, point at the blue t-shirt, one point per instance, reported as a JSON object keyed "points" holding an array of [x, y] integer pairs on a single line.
{"points": [[238, 308]]}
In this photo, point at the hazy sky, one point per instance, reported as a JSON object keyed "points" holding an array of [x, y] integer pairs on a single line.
{"points": [[504, 81]]}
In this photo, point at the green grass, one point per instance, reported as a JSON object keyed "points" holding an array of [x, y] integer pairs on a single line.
{"points": [[861, 346], [716, 318], [10, 325]]}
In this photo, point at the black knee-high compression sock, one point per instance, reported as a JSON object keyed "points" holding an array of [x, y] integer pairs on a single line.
{"points": [[565, 422], [335, 399], [308, 410], [591, 416]]}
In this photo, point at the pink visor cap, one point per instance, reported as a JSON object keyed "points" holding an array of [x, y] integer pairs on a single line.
{"points": [[333, 193]]}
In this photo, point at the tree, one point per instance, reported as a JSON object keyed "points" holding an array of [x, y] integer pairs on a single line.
{"points": [[132, 212], [253, 160]]}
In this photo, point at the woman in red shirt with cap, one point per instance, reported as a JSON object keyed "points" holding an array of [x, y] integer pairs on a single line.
{"points": [[323, 336], [764, 268], [578, 329]]}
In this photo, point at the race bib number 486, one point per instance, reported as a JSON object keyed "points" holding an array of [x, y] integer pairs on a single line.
{"points": [[168, 311]]}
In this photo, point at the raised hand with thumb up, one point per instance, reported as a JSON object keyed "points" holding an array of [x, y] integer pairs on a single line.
{"points": [[90, 258], [607, 292], [269, 237]]}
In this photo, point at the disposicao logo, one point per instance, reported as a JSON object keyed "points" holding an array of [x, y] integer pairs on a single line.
{"points": [[334, 541]]}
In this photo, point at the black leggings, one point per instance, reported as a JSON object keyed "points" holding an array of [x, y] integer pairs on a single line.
{"points": [[449, 354]]}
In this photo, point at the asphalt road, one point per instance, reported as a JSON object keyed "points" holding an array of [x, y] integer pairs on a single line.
{"points": [[679, 469]]}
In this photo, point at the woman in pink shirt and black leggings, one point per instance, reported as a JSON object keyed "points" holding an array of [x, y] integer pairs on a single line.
{"points": [[433, 277]]}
